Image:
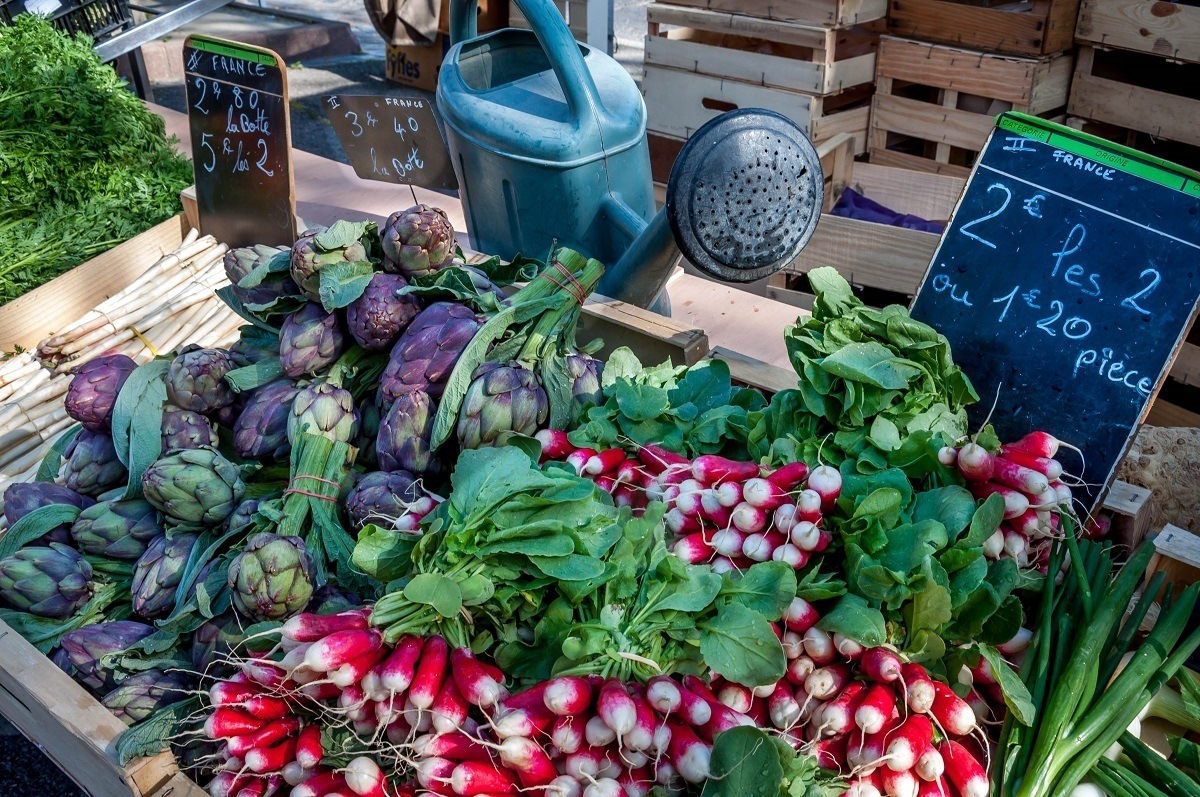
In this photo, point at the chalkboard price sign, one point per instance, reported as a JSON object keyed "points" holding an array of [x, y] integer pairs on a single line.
{"points": [[1065, 283], [391, 139], [241, 142]]}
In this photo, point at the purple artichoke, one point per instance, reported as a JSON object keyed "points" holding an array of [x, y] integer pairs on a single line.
{"points": [[326, 410], [227, 416], [185, 429], [158, 572], [502, 399], [425, 354], [381, 497], [310, 340], [253, 348], [272, 577], [144, 693], [94, 388], [261, 429], [331, 600], [378, 317], [92, 466], [86, 647], [62, 661], [53, 582], [117, 529], [417, 241], [213, 642], [21, 498], [403, 442], [243, 515], [196, 380], [274, 286], [309, 256], [584, 372]]}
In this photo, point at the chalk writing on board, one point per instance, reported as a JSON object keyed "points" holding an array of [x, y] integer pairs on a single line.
{"points": [[391, 139], [1064, 283], [237, 109]]}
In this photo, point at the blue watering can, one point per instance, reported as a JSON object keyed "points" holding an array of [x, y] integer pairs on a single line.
{"points": [[548, 141]]}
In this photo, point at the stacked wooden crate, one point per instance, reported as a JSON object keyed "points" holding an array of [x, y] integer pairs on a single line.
{"points": [[573, 11], [947, 68], [810, 60], [1138, 76]]}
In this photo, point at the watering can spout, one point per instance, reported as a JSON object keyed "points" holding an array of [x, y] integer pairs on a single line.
{"points": [[640, 276]]}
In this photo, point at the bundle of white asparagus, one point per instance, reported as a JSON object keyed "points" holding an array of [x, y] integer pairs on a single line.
{"points": [[172, 303]]}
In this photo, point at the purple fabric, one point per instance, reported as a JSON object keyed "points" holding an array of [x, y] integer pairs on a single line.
{"points": [[854, 205]]}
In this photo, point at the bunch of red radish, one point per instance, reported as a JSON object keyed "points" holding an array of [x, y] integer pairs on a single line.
{"points": [[724, 512], [883, 723], [1030, 480]]}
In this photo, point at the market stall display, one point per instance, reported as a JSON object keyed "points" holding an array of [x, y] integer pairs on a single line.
{"points": [[405, 534]]}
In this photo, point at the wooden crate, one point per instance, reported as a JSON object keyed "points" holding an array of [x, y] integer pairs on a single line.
{"points": [[573, 11], [1168, 30], [765, 52], [1043, 27], [935, 105], [1138, 92], [825, 13]]}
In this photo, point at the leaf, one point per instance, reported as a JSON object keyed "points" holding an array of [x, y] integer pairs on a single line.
{"points": [[436, 590], [476, 590], [559, 545], [855, 619], [342, 283], [622, 364], [739, 644], [264, 267], [153, 735], [36, 524], [1189, 688], [885, 434], [744, 763], [873, 364], [706, 384], [986, 520], [574, 567], [52, 462], [341, 234], [694, 595], [255, 375], [137, 421], [641, 402], [1016, 696], [383, 554], [952, 506], [766, 587]]}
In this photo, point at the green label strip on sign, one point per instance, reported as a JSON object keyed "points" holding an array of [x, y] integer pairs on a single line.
{"points": [[233, 52], [1096, 149]]}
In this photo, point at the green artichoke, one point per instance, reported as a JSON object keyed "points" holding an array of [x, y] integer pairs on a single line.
{"points": [[195, 487], [144, 693], [381, 497], [274, 286], [94, 388], [312, 252], [86, 648], [159, 571], [403, 441], [21, 498], [92, 466], [272, 577], [117, 529], [196, 380], [261, 429], [53, 582], [310, 340], [185, 429], [326, 410], [417, 241], [502, 399]]}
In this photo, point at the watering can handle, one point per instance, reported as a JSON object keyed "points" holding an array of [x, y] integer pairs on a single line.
{"points": [[557, 42]]}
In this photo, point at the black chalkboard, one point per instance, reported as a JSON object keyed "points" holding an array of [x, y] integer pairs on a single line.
{"points": [[241, 142], [1065, 283], [391, 139]]}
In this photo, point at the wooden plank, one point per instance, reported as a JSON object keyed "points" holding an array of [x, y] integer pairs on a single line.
{"points": [[1129, 506], [1177, 554], [1169, 30], [74, 729], [1164, 413], [975, 27], [1186, 368], [779, 290], [40, 313], [725, 22], [736, 64], [679, 103], [733, 318], [755, 373], [656, 338], [887, 157], [1157, 113], [1052, 84], [931, 122], [180, 786], [828, 13], [930, 196], [971, 72], [854, 121], [877, 255]]}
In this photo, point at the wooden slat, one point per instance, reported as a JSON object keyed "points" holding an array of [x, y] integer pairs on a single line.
{"points": [[180, 786], [1186, 368], [931, 122], [679, 103], [656, 338], [40, 313], [1129, 506], [1169, 30], [1004, 78], [876, 255], [1177, 554], [755, 373], [735, 64], [1164, 413], [975, 27], [74, 729], [1157, 113], [930, 196], [828, 13], [887, 157], [725, 22], [854, 121]]}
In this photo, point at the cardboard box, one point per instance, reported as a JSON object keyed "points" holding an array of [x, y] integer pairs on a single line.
{"points": [[493, 14], [417, 65]]}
